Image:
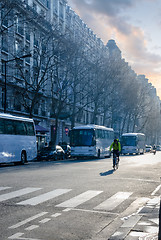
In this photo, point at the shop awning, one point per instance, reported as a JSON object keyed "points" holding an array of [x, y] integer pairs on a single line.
{"points": [[41, 129]]}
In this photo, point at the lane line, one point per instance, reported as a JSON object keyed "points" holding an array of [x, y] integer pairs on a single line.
{"points": [[18, 193], [67, 210], [56, 215], [4, 188], [16, 236], [44, 197], [156, 190], [45, 220], [28, 220], [19, 236], [31, 227], [94, 211], [113, 201]]}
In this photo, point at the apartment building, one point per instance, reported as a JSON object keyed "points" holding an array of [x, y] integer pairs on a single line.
{"points": [[26, 83]]}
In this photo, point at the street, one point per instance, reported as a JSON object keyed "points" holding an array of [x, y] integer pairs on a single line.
{"points": [[75, 199]]}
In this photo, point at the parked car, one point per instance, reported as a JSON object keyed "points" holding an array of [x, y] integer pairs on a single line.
{"points": [[67, 149], [48, 153], [148, 148], [158, 148]]}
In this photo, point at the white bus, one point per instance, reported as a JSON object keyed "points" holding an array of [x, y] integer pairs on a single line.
{"points": [[91, 141], [133, 143], [17, 139]]}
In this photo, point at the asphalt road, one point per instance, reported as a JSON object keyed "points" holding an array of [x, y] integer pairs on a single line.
{"points": [[74, 200]]}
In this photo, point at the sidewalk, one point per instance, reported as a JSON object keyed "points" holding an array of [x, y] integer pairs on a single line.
{"points": [[143, 225], [148, 225]]}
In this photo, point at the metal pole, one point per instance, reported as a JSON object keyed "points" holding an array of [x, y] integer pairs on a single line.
{"points": [[5, 87], [159, 234]]}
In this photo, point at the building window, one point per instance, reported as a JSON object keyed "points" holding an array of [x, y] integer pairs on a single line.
{"points": [[2, 97], [19, 25], [27, 35], [17, 105], [35, 7], [55, 2], [36, 43], [61, 10], [5, 42], [3, 67], [4, 17]]}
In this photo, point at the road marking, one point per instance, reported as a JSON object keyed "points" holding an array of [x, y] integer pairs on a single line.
{"points": [[4, 188], [74, 202], [67, 210], [18, 236], [18, 193], [31, 227], [113, 201], [94, 211], [28, 220], [44, 197], [45, 220], [56, 215], [156, 190], [153, 201]]}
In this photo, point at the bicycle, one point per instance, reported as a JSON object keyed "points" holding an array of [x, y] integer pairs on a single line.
{"points": [[115, 161]]}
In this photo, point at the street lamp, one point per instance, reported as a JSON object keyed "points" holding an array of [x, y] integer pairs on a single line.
{"points": [[5, 73]]}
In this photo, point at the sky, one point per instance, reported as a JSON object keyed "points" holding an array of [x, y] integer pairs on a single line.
{"points": [[135, 25]]}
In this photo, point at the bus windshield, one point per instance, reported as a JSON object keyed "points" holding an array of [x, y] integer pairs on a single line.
{"points": [[129, 141], [82, 137]]}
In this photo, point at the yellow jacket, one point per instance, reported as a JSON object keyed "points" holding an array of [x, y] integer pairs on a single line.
{"points": [[116, 146]]}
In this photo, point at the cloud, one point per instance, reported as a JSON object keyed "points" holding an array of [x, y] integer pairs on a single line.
{"points": [[110, 7], [110, 19]]}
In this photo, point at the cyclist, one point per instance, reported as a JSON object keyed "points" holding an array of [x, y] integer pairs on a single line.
{"points": [[116, 149], [154, 149]]}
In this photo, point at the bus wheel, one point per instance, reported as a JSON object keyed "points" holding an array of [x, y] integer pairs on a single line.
{"points": [[98, 154], [23, 158]]}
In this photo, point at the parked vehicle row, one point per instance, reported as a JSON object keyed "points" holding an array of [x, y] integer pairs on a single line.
{"points": [[57, 153], [148, 148]]}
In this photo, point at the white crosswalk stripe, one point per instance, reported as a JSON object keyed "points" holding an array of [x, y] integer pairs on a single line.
{"points": [[74, 202], [108, 205], [4, 188], [113, 201], [44, 197], [17, 193]]}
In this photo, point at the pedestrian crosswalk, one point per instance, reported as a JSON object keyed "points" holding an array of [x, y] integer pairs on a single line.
{"points": [[76, 201], [73, 201], [44, 197], [113, 201]]}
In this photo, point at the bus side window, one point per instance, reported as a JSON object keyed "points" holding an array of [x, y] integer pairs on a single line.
{"points": [[103, 134], [2, 128], [9, 127], [30, 128], [99, 133], [107, 134], [96, 133], [20, 128]]}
